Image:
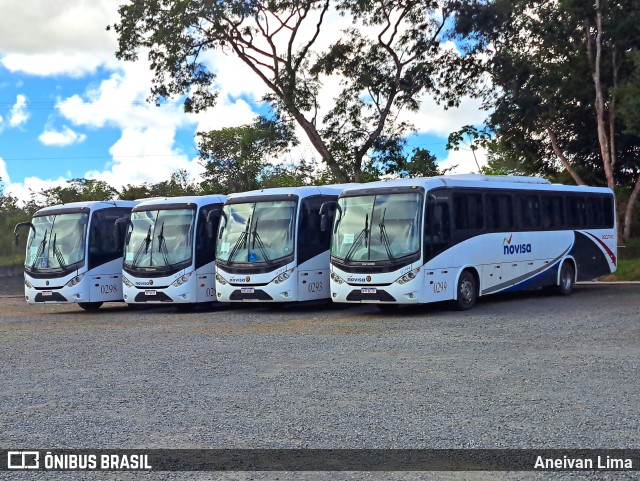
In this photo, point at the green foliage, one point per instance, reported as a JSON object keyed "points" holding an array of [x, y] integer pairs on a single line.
{"points": [[77, 190], [628, 97], [236, 158], [389, 69], [565, 91]]}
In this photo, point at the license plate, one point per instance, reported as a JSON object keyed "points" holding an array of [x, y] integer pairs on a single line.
{"points": [[47, 293], [149, 293], [368, 290], [247, 290]]}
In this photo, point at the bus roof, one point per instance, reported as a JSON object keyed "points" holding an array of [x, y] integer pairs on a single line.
{"points": [[301, 192], [198, 200], [88, 205], [474, 181]]}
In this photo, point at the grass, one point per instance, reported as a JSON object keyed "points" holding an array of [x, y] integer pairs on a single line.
{"points": [[628, 262]]}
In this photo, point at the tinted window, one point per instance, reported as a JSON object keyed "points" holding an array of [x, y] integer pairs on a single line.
{"points": [[105, 238], [206, 234], [552, 212], [311, 241], [498, 212], [529, 209], [467, 211], [577, 211]]}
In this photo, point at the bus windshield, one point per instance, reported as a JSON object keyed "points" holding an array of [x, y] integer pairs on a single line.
{"points": [[382, 227], [57, 242], [257, 231], [160, 238]]}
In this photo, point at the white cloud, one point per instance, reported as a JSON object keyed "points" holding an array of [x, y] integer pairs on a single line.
{"points": [[23, 190], [4, 174], [145, 155], [73, 64], [62, 138], [463, 161], [19, 115], [61, 25]]}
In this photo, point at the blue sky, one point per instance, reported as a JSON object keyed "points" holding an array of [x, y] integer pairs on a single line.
{"points": [[69, 109]]}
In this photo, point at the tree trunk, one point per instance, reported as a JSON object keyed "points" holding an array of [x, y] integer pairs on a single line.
{"points": [[628, 212], [603, 138], [558, 151]]}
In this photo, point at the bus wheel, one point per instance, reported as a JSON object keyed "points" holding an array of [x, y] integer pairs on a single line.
{"points": [[90, 306], [567, 279], [467, 291], [388, 307]]}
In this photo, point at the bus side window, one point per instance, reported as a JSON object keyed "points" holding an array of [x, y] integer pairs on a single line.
{"points": [[529, 211], [468, 212], [577, 212], [607, 208], [492, 212], [595, 209]]}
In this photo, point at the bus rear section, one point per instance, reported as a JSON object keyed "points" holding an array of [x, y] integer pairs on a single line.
{"points": [[479, 235], [74, 253], [170, 251], [271, 248]]}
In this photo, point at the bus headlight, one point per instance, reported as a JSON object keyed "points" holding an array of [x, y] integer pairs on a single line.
{"points": [[126, 281], [336, 278], [181, 280], [220, 279], [75, 280], [409, 276], [27, 283], [282, 277]]}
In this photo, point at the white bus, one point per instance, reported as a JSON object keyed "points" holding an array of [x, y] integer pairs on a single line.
{"points": [[458, 237], [74, 253], [170, 251], [270, 246]]}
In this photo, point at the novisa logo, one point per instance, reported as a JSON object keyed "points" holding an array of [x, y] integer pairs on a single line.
{"points": [[510, 249]]}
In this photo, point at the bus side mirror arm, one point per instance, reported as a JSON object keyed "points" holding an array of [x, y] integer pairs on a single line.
{"points": [[212, 216], [126, 221], [222, 227], [16, 237]]}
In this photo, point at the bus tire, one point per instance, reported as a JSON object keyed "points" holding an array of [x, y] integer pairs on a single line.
{"points": [[90, 306], [467, 291], [567, 279]]}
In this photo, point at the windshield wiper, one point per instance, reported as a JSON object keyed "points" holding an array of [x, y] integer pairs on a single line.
{"points": [[162, 246], [145, 246], [57, 253], [242, 240], [384, 238], [261, 246], [363, 235], [41, 247]]}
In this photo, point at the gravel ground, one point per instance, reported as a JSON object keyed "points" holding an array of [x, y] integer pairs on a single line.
{"points": [[518, 371]]}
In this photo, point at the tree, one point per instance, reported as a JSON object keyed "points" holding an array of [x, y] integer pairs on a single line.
{"points": [[77, 190], [237, 157], [179, 184], [555, 68], [393, 54]]}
